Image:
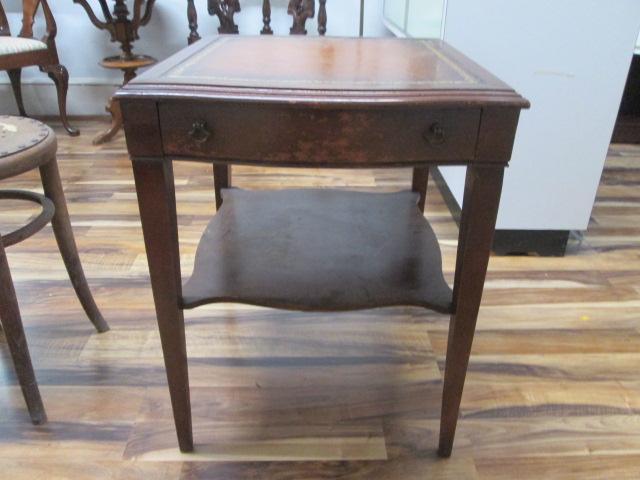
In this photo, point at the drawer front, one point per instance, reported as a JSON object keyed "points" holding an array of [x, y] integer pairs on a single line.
{"points": [[290, 136]]}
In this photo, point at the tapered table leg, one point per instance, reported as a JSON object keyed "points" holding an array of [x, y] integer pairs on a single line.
{"points": [[66, 243], [419, 183], [483, 186], [14, 333], [156, 199], [221, 179]]}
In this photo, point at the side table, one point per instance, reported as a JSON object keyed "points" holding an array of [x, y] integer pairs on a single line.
{"points": [[319, 102]]}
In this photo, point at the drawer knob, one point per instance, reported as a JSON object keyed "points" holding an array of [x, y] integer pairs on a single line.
{"points": [[435, 135], [200, 132]]}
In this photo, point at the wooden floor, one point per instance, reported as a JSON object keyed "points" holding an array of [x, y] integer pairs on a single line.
{"points": [[553, 390]]}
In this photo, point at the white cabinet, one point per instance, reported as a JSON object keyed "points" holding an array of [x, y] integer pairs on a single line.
{"points": [[418, 18], [570, 59], [424, 18]]}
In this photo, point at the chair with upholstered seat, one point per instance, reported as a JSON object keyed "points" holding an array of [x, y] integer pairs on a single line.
{"points": [[23, 51]]}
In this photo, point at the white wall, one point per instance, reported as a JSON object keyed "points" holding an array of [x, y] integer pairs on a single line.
{"points": [[571, 60], [81, 45]]}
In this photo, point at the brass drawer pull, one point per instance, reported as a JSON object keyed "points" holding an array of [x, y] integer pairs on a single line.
{"points": [[435, 134], [200, 132]]}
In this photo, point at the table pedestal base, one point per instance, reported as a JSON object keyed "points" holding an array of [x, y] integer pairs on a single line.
{"points": [[128, 67]]}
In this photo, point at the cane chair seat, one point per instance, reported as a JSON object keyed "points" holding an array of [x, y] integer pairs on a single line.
{"points": [[25, 144]]}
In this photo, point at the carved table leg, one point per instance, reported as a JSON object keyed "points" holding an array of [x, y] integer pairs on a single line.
{"points": [[156, 199], [116, 123], [14, 333], [480, 207], [67, 245]]}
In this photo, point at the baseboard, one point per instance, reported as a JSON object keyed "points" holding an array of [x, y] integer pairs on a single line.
{"points": [[627, 129], [40, 99], [546, 243]]}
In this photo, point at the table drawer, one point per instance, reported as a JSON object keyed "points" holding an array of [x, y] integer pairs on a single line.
{"points": [[282, 135]]}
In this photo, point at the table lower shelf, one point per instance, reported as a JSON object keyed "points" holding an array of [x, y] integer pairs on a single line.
{"points": [[318, 250]]}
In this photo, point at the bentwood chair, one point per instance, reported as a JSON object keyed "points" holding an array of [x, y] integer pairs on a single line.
{"points": [[27, 144]]}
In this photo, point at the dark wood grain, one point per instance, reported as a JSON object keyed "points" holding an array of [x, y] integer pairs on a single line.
{"points": [[279, 135], [276, 249]]}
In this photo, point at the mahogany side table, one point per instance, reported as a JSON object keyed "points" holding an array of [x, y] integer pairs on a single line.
{"points": [[319, 102]]}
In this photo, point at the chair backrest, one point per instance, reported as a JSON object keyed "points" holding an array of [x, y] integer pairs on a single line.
{"points": [[300, 10], [29, 9]]}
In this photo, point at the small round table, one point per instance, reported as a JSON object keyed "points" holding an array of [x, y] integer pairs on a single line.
{"points": [[26, 144], [123, 29]]}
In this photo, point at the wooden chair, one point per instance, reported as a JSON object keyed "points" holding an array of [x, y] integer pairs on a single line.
{"points": [[26, 144], [25, 51], [300, 10]]}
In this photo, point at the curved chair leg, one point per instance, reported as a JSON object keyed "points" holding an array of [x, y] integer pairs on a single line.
{"points": [[14, 76], [14, 333], [60, 76], [67, 244]]}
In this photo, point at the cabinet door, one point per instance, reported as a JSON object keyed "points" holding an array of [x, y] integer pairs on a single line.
{"points": [[425, 18]]}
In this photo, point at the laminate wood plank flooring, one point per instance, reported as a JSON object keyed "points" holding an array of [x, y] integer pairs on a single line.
{"points": [[553, 390]]}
